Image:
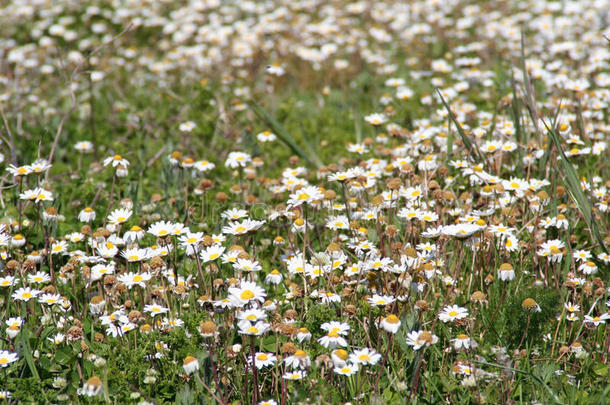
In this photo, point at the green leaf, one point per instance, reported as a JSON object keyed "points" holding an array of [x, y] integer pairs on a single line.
{"points": [[601, 369], [27, 352]]}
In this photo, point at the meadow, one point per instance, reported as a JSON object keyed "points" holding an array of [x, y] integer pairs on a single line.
{"points": [[304, 202]]}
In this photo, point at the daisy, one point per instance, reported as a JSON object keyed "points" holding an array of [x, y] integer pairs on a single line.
{"points": [[155, 309], [246, 293], [294, 375], [274, 277], [347, 370], [365, 357], [119, 216], [376, 119], [161, 229], [256, 329], [87, 214], [358, 148], [59, 247], [390, 323], [247, 265], [190, 365], [421, 338], [452, 313], [115, 161], [7, 358], [303, 335], [234, 214], [236, 228], [266, 136], [187, 126], [338, 222], [212, 253], [50, 299], [132, 279], [463, 342], [39, 277], [37, 195], [238, 159], [135, 254], [306, 194], [84, 147], [332, 340], [252, 315], [264, 360], [19, 170], [381, 300], [25, 294], [506, 272], [8, 281], [597, 320]]}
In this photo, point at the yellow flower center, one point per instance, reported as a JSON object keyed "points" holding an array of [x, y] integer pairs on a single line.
{"points": [[247, 295]]}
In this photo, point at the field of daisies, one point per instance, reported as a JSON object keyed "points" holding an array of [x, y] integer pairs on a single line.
{"points": [[304, 202]]}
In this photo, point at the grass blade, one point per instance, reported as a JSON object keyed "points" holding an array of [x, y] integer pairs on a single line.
{"points": [[27, 352], [573, 184], [474, 153], [283, 134]]}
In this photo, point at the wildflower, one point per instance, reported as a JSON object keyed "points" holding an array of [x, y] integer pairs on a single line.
{"points": [[453, 313], [597, 320], [161, 229], [247, 265], [238, 159], [464, 342], [307, 194], [266, 136], [303, 335], [212, 253], [347, 370], [115, 161], [59, 247], [529, 304], [135, 254], [381, 300], [365, 357], [37, 195], [506, 272], [294, 375], [256, 329], [25, 294], [332, 340], [246, 292], [376, 119], [190, 365], [39, 277], [83, 146], [421, 338], [119, 216], [274, 277], [7, 358], [187, 126], [155, 309], [264, 359], [132, 279], [552, 250], [391, 323]]}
